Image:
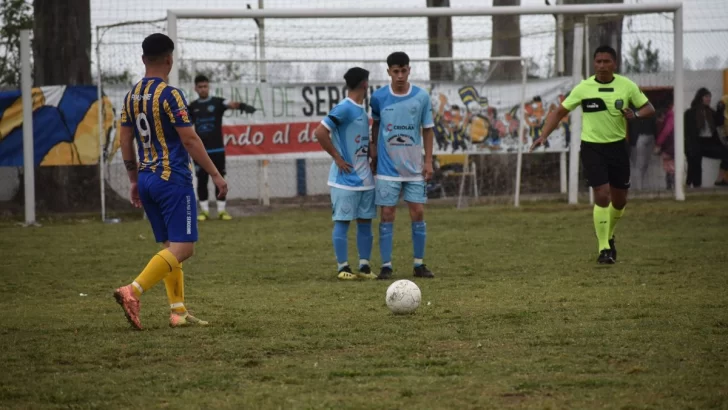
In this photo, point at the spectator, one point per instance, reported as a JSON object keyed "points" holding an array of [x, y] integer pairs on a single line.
{"points": [[665, 146], [701, 139]]}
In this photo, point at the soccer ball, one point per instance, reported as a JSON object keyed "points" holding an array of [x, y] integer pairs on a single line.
{"points": [[403, 297]]}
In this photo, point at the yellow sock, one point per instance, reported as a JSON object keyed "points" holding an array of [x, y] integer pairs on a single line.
{"points": [[175, 285], [158, 267], [601, 226], [614, 216]]}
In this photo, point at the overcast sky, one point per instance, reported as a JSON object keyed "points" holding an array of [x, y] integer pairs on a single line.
{"points": [[705, 24]]}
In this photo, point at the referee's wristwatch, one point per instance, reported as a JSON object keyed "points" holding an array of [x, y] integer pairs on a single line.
{"points": [[636, 113]]}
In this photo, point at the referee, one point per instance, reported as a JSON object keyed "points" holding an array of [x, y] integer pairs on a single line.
{"points": [[207, 115], [607, 100]]}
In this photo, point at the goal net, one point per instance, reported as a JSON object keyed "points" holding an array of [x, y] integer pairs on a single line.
{"points": [[289, 65]]}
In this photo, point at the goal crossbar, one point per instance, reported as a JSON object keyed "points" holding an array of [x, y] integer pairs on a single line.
{"points": [[426, 12]]}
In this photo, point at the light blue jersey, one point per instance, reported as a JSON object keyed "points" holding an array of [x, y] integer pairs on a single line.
{"points": [[401, 118], [349, 126]]}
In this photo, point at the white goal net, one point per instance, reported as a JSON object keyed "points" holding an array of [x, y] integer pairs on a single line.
{"points": [[289, 65]]}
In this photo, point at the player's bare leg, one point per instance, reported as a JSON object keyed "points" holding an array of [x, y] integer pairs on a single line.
{"points": [[386, 233], [419, 235]]}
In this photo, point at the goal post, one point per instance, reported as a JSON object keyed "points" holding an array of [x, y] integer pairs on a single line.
{"points": [[174, 16]]}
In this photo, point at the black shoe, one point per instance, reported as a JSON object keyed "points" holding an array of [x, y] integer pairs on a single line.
{"points": [[613, 249], [385, 273], [346, 269], [422, 272], [605, 257], [365, 269]]}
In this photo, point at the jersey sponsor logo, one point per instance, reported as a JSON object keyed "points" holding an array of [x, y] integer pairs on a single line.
{"points": [[140, 97], [362, 152], [395, 127], [401, 140], [593, 105]]}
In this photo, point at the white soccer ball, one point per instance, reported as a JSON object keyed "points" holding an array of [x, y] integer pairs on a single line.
{"points": [[403, 297]]}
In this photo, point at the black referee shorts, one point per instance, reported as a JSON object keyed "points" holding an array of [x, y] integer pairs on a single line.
{"points": [[606, 163]]}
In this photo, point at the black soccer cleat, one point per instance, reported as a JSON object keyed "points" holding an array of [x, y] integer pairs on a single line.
{"points": [[613, 249], [385, 273], [605, 257], [422, 272], [366, 269]]}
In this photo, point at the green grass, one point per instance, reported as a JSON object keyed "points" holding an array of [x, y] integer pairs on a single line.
{"points": [[519, 316]]}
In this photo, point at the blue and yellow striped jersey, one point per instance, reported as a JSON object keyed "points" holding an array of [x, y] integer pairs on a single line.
{"points": [[153, 109]]}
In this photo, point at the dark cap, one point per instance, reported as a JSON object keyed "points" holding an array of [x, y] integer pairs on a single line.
{"points": [[354, 76], [157, 45]]}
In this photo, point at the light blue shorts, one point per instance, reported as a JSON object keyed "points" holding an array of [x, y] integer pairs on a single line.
{"points": [[350, 205], [388, 192]]}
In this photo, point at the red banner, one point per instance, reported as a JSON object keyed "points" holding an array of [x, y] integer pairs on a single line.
{"points": [[271, 139]]}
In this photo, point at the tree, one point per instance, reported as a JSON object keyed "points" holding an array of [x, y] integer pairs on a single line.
{"points": [[711, 63], [641, 58], [15, 15], [506, 40], [439, 33], [602, 30], [471, 72], [61, 51]]}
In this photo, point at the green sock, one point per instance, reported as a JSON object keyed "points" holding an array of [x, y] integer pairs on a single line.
{"points": [[601, 226], [614, 216]]}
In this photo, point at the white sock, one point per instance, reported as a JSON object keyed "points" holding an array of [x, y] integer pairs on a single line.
{"points": [[363, 262], [220, 206], [387, 265], [138, 287], [205, 206], [343, 265]]}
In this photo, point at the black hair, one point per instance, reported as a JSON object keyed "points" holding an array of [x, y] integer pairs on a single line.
{"points": [[201, 78], [355, 76], [698, 99], [156, 46], [399, 58], [606, 49]]}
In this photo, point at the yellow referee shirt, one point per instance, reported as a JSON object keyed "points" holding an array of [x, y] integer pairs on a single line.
{"points": [[602, 105]]}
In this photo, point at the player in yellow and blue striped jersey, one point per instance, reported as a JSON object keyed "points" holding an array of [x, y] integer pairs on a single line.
{"points": [[155, 116]]}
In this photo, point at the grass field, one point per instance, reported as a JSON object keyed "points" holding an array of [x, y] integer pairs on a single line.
{"points": [[519, 316]]}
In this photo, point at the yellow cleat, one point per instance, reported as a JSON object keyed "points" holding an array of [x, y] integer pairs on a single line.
{"points": [[365, 272], [346, 274], [224, 216], [203, 216], [184, 320]]}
